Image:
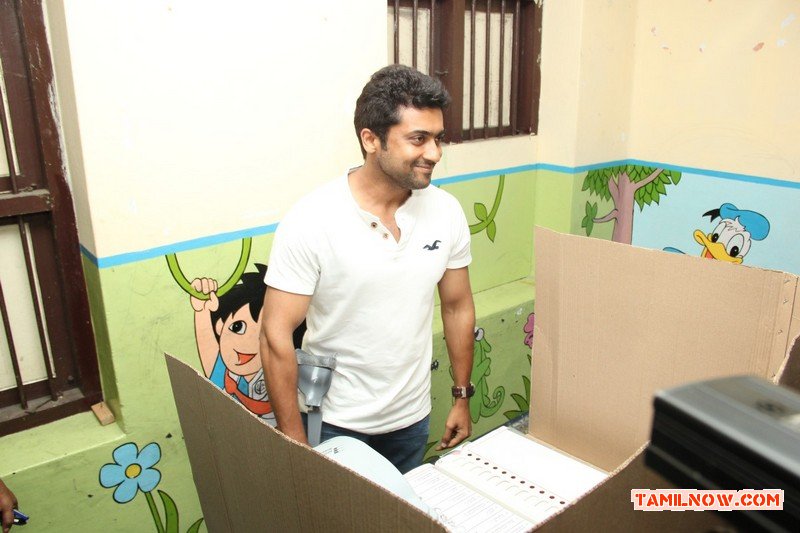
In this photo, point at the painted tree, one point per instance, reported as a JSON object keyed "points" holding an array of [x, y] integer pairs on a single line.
{"points": [[625, 185]]}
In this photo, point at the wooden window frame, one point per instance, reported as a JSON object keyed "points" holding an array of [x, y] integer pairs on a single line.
{"points": [[42, 204], [447, 61]]}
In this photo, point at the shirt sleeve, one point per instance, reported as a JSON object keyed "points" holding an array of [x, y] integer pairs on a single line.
{"points": [[460, 254], [293, 263]]}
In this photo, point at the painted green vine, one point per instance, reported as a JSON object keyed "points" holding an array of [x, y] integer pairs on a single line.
{"points": [[486, 217]]}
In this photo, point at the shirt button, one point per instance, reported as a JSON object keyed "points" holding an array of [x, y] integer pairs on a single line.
{"points": [[385, 235], [373, 225]]}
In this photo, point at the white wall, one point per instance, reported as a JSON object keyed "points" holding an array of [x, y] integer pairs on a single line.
{"points": [[185, 119], [715, 85]]}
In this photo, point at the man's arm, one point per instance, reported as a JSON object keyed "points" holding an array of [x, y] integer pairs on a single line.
{"points": [[458, 317], [8, 502], [281, 314]]}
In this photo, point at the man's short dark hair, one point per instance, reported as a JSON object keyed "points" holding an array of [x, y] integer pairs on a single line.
{"points": [[388, 90]]}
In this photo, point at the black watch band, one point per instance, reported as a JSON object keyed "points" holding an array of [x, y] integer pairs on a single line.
{"points": [[464, 392]]}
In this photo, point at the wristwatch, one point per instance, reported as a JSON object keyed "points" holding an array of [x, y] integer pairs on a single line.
{"points": [[464, 392]]}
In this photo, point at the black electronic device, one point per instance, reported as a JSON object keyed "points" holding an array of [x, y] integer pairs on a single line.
{"points": [[734, 433]]}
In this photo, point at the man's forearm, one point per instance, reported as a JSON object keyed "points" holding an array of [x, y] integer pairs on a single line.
{"points": [[280, 372], [459, 334]]}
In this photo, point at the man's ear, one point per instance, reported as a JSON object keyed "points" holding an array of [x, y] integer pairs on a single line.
{"points": [[218, 327], [369, 140]]}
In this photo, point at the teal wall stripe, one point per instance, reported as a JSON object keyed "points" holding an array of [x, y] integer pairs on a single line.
{"points": [[193, 244], [202, 242]]}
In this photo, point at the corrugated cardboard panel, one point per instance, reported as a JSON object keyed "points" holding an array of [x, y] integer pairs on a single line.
{"points": [[252, 478], [616, 323]]}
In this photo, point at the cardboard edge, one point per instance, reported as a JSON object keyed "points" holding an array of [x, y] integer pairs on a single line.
{"points": [[212, 501]]}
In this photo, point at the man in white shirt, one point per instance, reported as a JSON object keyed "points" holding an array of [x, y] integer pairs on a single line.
{"points": [[359, 259]]}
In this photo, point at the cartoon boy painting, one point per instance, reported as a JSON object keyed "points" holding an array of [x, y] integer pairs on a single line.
{"points": [[226, 329]]}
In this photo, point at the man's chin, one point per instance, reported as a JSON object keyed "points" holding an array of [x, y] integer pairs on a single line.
{"points": [[421, 181]]}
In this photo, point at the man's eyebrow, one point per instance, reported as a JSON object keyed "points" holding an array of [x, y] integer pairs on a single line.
{"points": [[426, 133]]}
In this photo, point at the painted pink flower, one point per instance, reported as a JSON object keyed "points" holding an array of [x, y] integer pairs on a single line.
{"points": [[528, 329]]}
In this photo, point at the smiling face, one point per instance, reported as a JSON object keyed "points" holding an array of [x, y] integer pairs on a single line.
{"points": [[238, 342], [412, 148]]}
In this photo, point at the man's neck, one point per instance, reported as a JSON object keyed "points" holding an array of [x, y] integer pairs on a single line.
{"points": [[375, 192]]}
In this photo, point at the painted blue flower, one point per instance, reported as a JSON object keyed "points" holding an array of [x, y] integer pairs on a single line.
{"points": [[132, 471]]}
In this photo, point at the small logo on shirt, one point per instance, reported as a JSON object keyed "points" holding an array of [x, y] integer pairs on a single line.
{"points": [[434, 246]]}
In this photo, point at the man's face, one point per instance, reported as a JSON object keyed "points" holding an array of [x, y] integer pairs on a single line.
{"points": [[238, 342], [413, 147]]}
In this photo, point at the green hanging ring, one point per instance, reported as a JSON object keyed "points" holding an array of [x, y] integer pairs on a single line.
{"points": [[183, 283]]}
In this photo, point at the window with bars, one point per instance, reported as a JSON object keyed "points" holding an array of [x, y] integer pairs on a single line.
{"points": [[487, 54], [48, 360]]}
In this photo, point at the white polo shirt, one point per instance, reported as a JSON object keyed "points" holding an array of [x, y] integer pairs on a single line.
{"points": [[372, 297]]}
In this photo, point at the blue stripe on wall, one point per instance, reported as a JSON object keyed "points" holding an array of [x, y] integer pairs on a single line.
{"points": [[202, 242]]}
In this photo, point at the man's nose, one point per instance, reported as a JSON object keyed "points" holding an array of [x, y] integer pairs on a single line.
{"points": [[433, 151]]}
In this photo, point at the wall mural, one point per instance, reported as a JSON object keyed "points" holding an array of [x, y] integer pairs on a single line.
{"points": [[132, 472], [741, 220], [523, 400], [731, 238], [486, 217], [226, 326], [624, 185]]}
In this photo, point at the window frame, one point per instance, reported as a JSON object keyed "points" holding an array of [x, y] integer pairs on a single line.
{"points": [[43, 204], [448, 55]]}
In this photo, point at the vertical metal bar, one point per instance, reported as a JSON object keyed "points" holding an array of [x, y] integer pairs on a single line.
{"points": [[414, 14], [23, 401], [472, 72], [23, 234], [487, 67], [431, 40], [396, 31], [502, 67], [515, 68], [12, 166]]}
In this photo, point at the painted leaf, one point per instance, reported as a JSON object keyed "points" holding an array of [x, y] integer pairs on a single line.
{"points": [[491, 230], [481, 212], [170, 513], [589, 227], [521, 402], [639, 201], [661, 188], [194, 528], [676, 177]]}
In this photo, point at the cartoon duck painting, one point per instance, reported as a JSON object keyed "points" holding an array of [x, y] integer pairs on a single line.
{"points": [[730, 240]]}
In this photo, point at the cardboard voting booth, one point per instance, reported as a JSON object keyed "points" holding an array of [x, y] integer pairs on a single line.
{"points": [[614, 324]]}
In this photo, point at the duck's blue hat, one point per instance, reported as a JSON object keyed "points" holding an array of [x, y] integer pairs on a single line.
{"points": [[755, 223]]}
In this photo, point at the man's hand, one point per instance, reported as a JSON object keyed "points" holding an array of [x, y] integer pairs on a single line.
{"points": [[458, 426], [205, 286], [8, 502]]}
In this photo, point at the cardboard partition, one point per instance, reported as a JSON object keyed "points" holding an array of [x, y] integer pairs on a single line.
{"points": [[614, 324], [250, 477]]}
